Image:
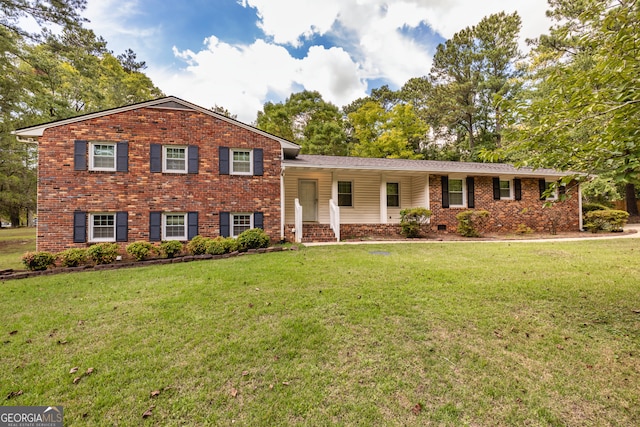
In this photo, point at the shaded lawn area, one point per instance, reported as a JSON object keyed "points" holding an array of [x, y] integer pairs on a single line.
{"points": [[386, 334], [14, 242]]}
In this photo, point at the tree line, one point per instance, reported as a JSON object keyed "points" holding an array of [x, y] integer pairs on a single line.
{"points": [[572, 103]]}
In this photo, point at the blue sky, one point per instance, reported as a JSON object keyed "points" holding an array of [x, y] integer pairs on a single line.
{"points": [[240, 54]]}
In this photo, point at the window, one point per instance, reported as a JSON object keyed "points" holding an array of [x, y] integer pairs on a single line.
{"points": [[345, 193], [174, 226], [241, 162], [102, 156], [393, 194], [102, 227], [240, 222], [505, 189], [175, 159], [456, 192]]}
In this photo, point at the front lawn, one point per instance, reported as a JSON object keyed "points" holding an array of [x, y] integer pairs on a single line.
{"points": [[14, 242], [453, 334]]}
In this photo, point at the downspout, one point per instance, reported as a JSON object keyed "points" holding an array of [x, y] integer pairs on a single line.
{"points": [[282, 193], [581, 220]]}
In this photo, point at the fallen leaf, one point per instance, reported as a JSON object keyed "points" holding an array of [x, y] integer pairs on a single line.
{"points": [[76, 380], [636, 311], [234, 392], [257, 289], [14, 394], [416, 409], [245, 373], [250, 305], [74, 370], [13, 332], [147, 413], [28, 341], [560, 347], [89, 371], [497, 334], [62, 342], [285, 382], [80, 322], [270, 386], [155, 393]]}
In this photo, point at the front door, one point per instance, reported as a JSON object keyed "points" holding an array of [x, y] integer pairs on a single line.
{"points": [[308, 196]]}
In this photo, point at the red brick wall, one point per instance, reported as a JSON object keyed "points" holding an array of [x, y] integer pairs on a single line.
{"points": [[507, 215], [61, 190]]}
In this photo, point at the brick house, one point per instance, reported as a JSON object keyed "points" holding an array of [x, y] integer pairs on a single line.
{"points": [[170, 170]]}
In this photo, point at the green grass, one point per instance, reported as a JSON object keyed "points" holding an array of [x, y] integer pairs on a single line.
{"points": [[452, 334], [14, 242]]}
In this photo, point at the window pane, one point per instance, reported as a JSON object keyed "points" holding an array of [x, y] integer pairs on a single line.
{"points": [[103, 226], [505, 189], [104, 156], [241, 223], [174, 226], [345, 195], [175, 158], [455, 192], [242, 161], [393, 194]]}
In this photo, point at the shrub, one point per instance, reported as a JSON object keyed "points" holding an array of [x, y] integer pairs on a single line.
{"points": [[470, 221], [524, 229], [140, 250], [38, 261], [73, 257], [413, 220], [231, 244], [103, 253], [590, 207], [253, 239], [609, 220], [171, 248], [198, 245], [217, 246]]}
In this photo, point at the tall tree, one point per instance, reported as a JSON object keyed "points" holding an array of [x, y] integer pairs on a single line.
{"points": [[582, 109], [471, 72], [393, 134], [306, 119]]}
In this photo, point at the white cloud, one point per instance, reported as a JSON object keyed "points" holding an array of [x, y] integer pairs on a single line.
{"points": [[370, 35]]}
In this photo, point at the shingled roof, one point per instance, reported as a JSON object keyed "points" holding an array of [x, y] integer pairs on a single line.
{"points": [[430, 166]]}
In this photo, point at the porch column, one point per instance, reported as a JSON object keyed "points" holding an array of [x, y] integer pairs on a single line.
{"points": [[383, 199], [427, 196], [334, 187]]}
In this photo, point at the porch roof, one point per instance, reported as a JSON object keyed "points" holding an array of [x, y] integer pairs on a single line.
{"points": [[306, 161]]}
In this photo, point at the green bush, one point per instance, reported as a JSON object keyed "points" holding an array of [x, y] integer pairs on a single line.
{"points": [[523, 229], [140, 250], [38, 261], [171, 248], [198, 245], [216, 246], [73, 257], [103, 253], [253, 239], [590, 207], [609, 220], [470, 221], [231, 244], [413, 220]]}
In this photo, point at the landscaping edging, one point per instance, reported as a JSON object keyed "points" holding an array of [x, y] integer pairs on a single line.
{"points": [[12, 274]]}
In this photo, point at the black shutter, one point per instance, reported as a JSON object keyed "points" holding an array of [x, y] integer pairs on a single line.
{"points": [[225, 227], [224, 160], [155, 156], [192, 154], [258, 220], [471, 199], [445, 191], [122, 161], [79, 155], [496, 188], [79, 227], [258, 162], [542, 184], [122, 226], [562, 189], [517, 188], [155, 226], [192, 225]]}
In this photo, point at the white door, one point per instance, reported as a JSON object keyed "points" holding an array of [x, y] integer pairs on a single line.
{"points": [[308, 196]]}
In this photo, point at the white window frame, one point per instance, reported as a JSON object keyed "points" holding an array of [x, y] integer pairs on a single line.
{"points": [[182, 237], [511, 189], [353, 201], [464, 192], [92, 165], [232, 170], [92, 227], [232, 220], [165, 158]]}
